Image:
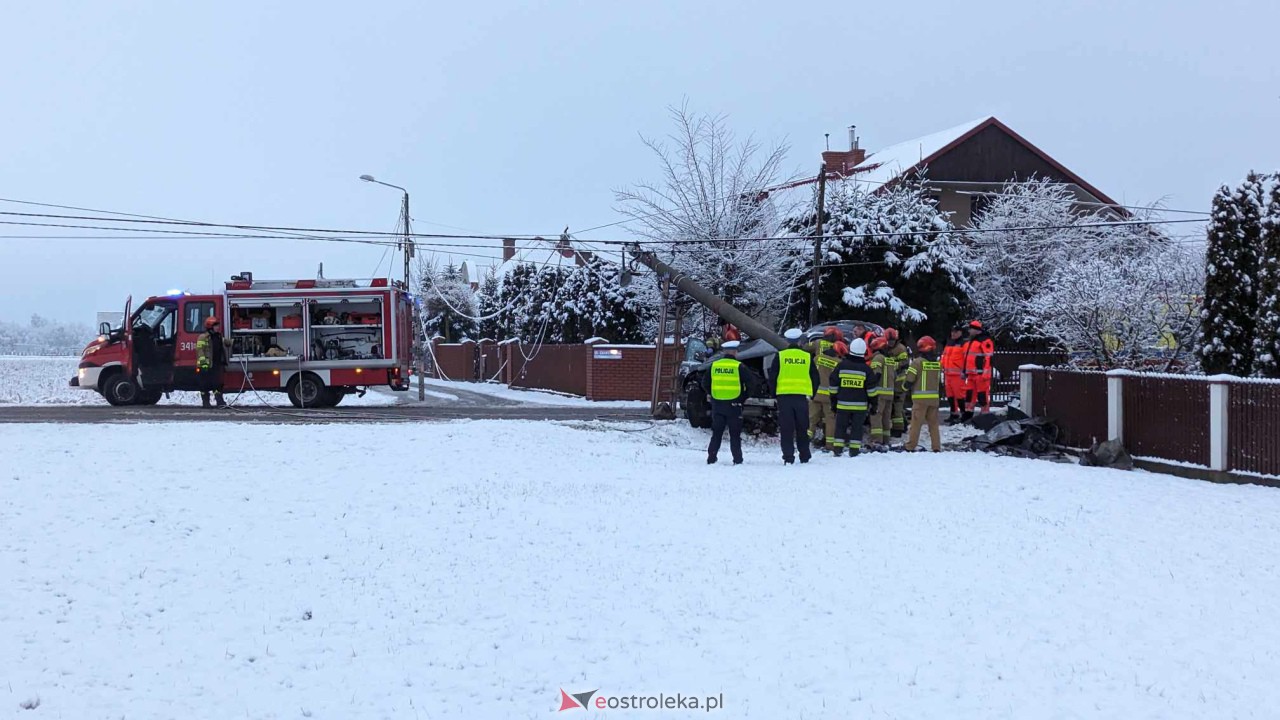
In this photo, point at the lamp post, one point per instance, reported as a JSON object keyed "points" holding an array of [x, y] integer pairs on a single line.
{"points": [[408, 249]]}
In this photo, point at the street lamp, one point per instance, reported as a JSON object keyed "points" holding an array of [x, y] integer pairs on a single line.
{"points": [[408, 248]]}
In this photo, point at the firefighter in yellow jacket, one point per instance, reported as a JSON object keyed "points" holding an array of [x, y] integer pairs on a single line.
{"points": [[822, 419], [924, 380], [212, 353], [897, 352], [882, 395]]}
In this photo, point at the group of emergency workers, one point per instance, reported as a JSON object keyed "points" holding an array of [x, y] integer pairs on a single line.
{"points": [[828, 389]]}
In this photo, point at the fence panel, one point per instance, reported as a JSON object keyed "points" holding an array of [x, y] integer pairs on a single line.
{"points": [[1253, 427], [562, 368], [490, 361], [1075, 400], [1167, 417], [1006, 364]]}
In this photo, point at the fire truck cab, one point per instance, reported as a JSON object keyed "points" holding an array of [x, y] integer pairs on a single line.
{"points": [[314, 340]]}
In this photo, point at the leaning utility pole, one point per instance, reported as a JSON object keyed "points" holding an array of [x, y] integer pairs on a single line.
{"points": [[817, 246], [714, 303]]}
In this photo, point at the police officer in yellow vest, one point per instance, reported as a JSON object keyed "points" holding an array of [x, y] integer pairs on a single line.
{"points": [[795, 378], [923, 380], [727, 385]]}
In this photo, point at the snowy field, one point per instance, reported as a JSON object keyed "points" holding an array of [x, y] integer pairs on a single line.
{"points": [[481, 567]]}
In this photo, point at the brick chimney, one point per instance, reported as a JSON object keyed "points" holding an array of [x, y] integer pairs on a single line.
{"points": [[844, 161], [508, 248]]}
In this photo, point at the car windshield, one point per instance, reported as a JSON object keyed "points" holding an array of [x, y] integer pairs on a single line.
{"points": [[150, 316], [693, 349]]}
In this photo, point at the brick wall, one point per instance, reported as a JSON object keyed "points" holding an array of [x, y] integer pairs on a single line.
{"points": [[630, 375]]}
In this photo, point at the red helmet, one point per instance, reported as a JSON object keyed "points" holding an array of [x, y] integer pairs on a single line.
{"points": [[890, 336], [833, 333], [926, 344], [975, 324], [211, 323], [878, 344], [841, 348]]}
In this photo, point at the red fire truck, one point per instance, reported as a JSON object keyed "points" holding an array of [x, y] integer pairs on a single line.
{"points": [[315, 340]]}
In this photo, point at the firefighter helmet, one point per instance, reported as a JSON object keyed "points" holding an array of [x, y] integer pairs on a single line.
{"points": [[890, 336], [975, 324], [833, 333], [878, 344], [211, 323], [840, 348], [926, 344]]}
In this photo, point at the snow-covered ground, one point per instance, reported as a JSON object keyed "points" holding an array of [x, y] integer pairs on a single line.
{"points": [[43, 381], [480, 567], [534, 397]]}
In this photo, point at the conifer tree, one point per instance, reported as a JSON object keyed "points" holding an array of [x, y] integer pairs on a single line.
{"points": [[1266, 342], [1231, 266]]}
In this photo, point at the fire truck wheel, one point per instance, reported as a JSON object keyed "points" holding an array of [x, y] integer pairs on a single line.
{"points": [[306, 390], [120, 389]]}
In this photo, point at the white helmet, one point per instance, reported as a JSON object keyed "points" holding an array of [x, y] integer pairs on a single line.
{"points": [[858, 347]]}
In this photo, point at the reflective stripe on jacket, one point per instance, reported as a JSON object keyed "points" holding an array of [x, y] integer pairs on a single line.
{"points": [[794, 372], [827, 360], [977, 355], [886, 368], [726, 379], [953, 357], [854, 381], [924, 377]]}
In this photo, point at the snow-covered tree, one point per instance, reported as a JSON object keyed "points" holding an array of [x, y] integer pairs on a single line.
{"points": [[489, 306], [1118, 308], [42, 336], [448, 303], [709, 215], [608, 309], [1231, 268], [1266, 341], [887, 257], [1045, 268]]}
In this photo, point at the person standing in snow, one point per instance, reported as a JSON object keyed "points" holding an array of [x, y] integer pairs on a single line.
{"points": [[882, 395], [978, 354], [953, 374], [212, 352], [822, 421], [924, 379], [794, 377], [897, 353], [852, 379], [727, 385]]}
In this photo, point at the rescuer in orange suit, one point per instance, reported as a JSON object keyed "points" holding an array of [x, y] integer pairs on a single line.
{"points": [[953, 373], [977, 368]]}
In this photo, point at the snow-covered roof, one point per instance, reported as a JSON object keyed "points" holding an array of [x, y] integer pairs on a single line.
{"points": [[888, 164]]}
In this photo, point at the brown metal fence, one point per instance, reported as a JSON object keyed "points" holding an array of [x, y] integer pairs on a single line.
{"points": [[562, 368], [1167, 417], [1006, 364], [1075, 400], [1253, 427]]}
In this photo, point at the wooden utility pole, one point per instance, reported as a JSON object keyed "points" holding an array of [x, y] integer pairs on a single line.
{"points": [[817, 246]]}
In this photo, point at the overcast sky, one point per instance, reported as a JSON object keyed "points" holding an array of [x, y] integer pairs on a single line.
{"points": [[504, 117]]}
